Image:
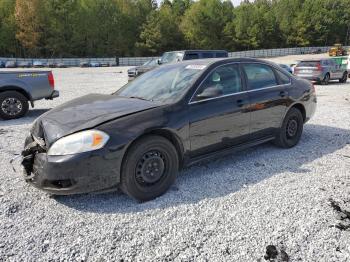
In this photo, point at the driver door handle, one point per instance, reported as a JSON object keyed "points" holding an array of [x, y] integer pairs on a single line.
{"points": [[283, 93]]}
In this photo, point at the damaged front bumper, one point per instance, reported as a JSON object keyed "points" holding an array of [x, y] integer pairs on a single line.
{"points": [[70, 174]]}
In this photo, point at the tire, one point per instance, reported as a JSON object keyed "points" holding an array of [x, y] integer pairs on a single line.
{"points": [[291, 130], [13, 105], [149, 168], [344, 78], [326, 79]]}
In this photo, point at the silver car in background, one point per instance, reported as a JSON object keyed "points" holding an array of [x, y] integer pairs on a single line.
{"points": [[321, 71]]}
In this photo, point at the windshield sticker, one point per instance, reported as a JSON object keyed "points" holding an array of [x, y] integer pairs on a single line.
{"points": [[196, 67]]}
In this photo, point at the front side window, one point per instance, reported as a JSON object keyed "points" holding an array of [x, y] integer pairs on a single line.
{"points": [[224, 80], [259, 76]]}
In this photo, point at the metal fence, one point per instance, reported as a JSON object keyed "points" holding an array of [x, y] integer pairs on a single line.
{"points": [[135, 61]]}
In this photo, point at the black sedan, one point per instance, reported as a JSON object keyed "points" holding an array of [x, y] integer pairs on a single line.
{"points": [[138, 138]]}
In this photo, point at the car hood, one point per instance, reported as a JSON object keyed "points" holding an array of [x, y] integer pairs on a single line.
{"points": [[85, 113]]}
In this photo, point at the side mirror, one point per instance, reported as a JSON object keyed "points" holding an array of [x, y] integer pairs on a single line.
{"points": [[209, 92], [159, 62]]}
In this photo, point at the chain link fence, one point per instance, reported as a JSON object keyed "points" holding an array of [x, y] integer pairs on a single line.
{"points": [[135, 61]]}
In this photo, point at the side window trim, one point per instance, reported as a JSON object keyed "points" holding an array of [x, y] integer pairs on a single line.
{"points": [[223, 96]]}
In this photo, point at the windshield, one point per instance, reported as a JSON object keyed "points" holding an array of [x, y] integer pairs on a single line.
{"points": [[165, 84], [170, 57], [308, 63], [151, 62]]}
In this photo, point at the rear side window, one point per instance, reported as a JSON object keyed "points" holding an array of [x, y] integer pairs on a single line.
{"points": [[259, 76], [284, 79], [191, 56], [308, 63]]}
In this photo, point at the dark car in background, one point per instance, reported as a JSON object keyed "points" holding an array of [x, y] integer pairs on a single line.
{"points": [[139, 70], [174, 116], [178, 56], [321, 71], [25, 64]]}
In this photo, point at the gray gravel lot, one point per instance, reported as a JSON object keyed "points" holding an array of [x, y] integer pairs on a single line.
{"points": [[226, 210]]}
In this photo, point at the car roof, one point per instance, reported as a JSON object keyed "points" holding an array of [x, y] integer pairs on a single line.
{"points": [[196, 50], [210, 61]]}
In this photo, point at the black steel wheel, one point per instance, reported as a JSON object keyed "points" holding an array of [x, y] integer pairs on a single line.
{"points": [[291, 129], [149, 168], [13, 105]]}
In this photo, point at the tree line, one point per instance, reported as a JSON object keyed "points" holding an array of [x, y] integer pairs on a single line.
{"points": [[105, 28]]}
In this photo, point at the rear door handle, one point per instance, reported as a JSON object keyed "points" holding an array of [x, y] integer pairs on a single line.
{"points": [[283, 94], [240, 102]]}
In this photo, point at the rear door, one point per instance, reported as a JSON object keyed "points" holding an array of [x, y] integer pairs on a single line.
{"points": [[223, 120], [268, 95]]}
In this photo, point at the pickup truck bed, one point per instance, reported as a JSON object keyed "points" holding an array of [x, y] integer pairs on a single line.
{"points": [[17, 88]]}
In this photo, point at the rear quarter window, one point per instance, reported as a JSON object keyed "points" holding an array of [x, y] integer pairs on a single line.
{"points": [[283, 78]]}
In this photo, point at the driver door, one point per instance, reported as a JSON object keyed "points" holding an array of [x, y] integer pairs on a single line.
{"points": [[219, 111]]}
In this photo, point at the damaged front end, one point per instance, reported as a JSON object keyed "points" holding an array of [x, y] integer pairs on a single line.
{"points": [[32, 147]]}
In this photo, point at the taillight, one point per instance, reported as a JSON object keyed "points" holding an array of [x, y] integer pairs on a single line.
{"points": [[319, 68], [51, 80]]}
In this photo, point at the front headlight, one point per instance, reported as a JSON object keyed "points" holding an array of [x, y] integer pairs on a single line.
{"points": [[79, 142]]}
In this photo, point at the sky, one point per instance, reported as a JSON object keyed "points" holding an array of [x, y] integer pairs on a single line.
{"points": [[235, 2]]}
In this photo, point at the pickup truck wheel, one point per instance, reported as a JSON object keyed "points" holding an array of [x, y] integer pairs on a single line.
{"points": [[326, 79], [344, 78], [13, 105], [149, 168], [291, 129]]}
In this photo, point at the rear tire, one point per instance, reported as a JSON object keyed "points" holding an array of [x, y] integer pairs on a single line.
{"points": [[326, 79], [291, 130], [13, 105], [344, 78], [150, 168]]}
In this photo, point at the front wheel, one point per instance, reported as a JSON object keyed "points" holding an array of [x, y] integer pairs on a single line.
{"points": [[13, 105], [291, 130], [150, 168], [344, 78]]}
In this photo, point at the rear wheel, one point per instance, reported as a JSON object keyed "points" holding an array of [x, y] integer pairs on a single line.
{"points": [[150, 168], [344, 78], [291, 130], [13, 105], [326, 79]]}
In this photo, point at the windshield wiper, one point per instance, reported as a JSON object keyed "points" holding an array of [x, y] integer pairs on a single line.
{"points": [[141, 98]]}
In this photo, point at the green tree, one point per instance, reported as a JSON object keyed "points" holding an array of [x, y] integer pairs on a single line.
{"points": [[204, 23], [8, 42], [161, 31]]}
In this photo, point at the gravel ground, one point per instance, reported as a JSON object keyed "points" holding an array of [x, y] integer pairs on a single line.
{"points": [[230, 209]]}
